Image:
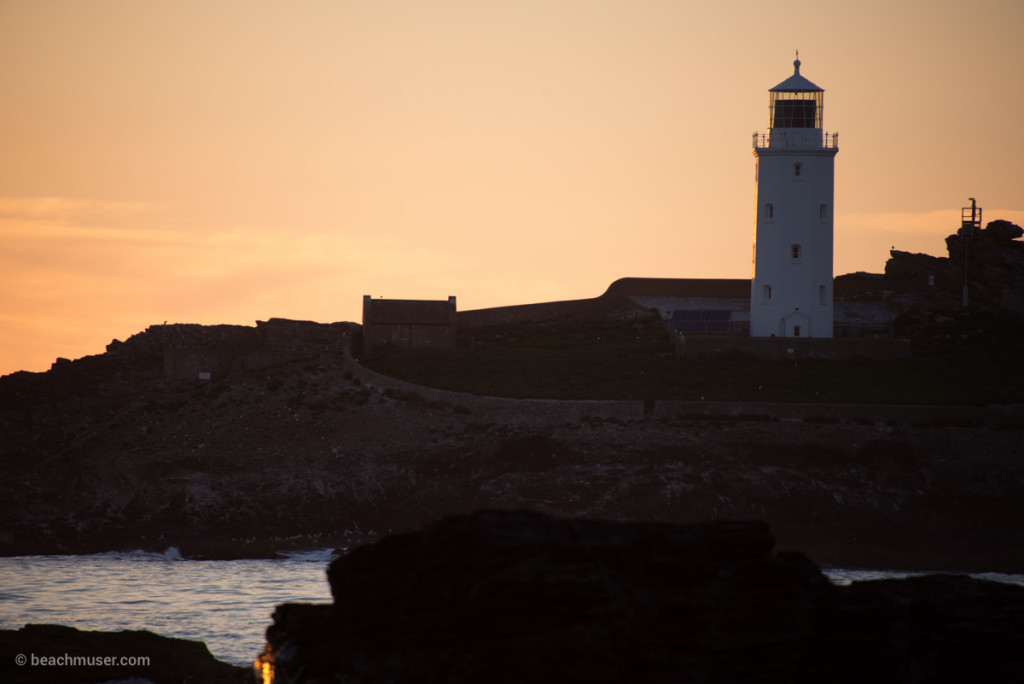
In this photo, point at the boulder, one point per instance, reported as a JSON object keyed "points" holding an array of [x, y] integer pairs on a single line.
{"points": [[512, 596], [1003, 230], [908, 265]]}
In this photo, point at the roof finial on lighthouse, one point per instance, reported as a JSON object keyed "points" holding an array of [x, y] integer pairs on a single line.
{"points": [[796, 64]]}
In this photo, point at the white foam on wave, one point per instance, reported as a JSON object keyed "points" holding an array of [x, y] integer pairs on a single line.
{"points": [[310, 556], [1000, 577], [843, 577]]}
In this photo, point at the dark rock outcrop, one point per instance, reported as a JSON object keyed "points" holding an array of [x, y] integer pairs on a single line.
{"points": [[989, 261], [1004, 230], [909, 265], [56, 654], [518, 596]]}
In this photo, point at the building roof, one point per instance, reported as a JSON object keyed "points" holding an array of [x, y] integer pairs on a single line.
{"points": [[716, 288], [796, 83]]}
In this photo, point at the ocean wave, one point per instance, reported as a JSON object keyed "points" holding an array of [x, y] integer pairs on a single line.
{"points": [[311, 555]]}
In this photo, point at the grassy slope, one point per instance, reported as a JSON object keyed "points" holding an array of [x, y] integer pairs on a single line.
{"points": [[967, 360]]}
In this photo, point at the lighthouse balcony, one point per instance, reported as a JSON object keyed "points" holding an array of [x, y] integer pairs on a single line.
{"points": [[796, 139]]}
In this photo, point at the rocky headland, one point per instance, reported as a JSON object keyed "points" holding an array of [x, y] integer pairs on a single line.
{"points": [[115, 452], [229, 441]]}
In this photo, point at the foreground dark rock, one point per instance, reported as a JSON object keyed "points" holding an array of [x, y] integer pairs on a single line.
{"points": [[56, 654], [523, 597]]}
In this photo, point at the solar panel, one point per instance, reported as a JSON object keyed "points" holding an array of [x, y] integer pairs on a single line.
{"points": [[701, 321]]}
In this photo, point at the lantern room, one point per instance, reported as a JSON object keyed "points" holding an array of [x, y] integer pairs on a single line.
{"points": [[796, 102]]}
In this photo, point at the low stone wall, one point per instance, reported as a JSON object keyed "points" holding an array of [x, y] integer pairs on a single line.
{"points": [[794, 347], [559, 411], [997, 416]]}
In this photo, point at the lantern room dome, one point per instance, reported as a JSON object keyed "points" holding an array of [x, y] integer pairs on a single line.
{"points": [[796, 83]]}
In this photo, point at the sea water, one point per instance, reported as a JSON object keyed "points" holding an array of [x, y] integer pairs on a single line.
{"points": [[226, 604]]}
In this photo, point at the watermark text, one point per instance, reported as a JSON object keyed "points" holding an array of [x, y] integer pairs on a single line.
{"points": [[67, 660]]}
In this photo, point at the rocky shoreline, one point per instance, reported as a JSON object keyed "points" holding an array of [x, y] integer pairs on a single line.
{"points": [[850, 496]]}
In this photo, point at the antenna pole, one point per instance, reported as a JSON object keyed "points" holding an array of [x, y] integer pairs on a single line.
{"points": [[969, 228]]}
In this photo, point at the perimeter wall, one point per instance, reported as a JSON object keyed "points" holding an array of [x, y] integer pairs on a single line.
{"points": [[538, 412]]}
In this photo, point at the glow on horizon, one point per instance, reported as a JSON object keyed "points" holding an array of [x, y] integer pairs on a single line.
{"points": [[236, 161]]}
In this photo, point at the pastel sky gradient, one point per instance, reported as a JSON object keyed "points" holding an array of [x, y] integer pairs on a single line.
{"points": [[227, 161]]}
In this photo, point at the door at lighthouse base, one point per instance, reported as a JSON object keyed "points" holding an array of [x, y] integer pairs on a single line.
{"points": [[795, 325]]}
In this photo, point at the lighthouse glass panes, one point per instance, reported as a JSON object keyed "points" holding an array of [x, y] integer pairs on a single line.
{"points": [[795, 109]]}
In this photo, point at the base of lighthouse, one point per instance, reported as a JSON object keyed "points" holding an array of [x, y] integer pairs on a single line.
{"points": [[795, 324]]}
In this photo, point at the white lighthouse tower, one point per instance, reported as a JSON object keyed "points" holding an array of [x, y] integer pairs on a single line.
{"points": [[791, 294]]}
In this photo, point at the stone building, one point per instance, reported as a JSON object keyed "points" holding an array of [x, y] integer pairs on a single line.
{"points": [[409, 323]]}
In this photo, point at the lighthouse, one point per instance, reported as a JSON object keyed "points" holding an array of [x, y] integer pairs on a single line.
{"points": [[791, 292]]}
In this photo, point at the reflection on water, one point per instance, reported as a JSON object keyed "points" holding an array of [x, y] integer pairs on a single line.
{"points": [[226, 604]]}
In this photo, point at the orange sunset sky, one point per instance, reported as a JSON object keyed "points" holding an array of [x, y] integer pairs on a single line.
{"points": [[227, 161]]}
